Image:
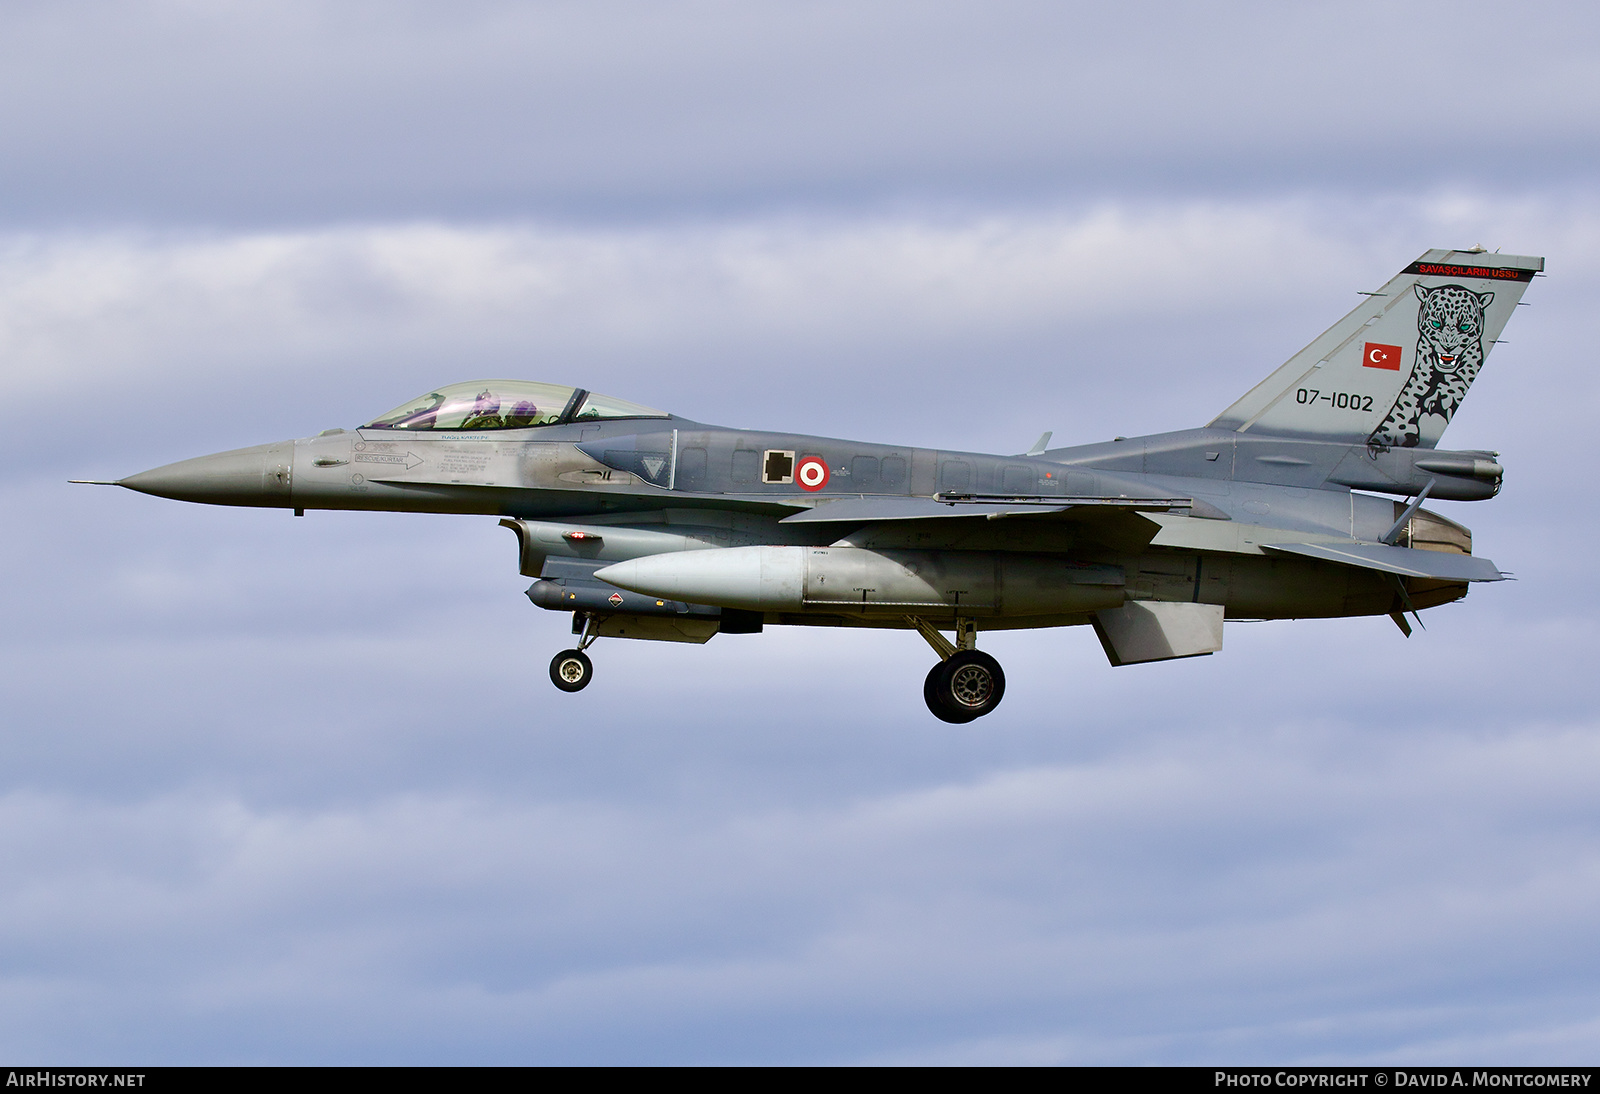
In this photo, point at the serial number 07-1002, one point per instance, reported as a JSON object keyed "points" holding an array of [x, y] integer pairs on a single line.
{"points": [[1344, 400]]}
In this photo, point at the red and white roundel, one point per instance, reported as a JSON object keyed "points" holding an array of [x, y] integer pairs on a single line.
{"points": [[812, 474]]}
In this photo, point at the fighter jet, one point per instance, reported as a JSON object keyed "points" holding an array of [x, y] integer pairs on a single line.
{"points": [[1301, 500]]}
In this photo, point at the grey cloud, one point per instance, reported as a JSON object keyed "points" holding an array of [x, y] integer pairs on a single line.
{"points": [[297, 790], [249, 336], [289, 113], [1155, 897]]}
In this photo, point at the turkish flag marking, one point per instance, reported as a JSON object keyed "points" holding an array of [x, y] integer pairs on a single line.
{"points": [[1380, 356]]}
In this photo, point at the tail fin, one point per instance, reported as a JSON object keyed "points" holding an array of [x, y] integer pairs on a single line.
{"points": [[1392, 372]]}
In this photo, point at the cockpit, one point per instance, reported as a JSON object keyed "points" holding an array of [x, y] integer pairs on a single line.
{"points": [[507, 404]]}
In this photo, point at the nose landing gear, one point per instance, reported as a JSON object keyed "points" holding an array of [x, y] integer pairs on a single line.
{"points": [[571, 670], [966, 683]]}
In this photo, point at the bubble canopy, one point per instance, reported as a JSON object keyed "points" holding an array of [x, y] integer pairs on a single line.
{"points": [[506, 404]]}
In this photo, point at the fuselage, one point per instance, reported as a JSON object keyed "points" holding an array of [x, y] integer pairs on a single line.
{"points": [[645, 525], [642, 487]]}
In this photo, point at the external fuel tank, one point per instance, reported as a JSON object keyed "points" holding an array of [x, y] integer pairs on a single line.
{"points": [[854, 579]]}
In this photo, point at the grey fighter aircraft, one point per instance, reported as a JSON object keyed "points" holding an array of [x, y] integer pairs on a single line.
{"points": [[650, 526]]}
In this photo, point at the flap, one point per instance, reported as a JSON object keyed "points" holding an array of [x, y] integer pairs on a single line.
{"points": [[1405, 561]]}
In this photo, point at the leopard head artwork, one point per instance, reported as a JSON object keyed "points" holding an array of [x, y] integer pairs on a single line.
{"points": [[1450, 326]]}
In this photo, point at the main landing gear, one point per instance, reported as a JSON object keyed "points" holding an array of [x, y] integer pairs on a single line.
{"points": [[966, 683], [571, 670]]}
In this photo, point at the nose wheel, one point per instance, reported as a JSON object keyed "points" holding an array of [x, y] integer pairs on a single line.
{"points": [[571, 670]]}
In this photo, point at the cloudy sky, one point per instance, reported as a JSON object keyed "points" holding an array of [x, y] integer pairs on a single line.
{"points": [[299, 791]]}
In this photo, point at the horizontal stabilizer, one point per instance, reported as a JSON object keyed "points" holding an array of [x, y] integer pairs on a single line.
{"points": [[1156, 630], [1404, 561]]}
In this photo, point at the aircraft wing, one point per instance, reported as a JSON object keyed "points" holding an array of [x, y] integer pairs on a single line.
{"points": [[1404, 561], [872, 510], [1116, 523]]}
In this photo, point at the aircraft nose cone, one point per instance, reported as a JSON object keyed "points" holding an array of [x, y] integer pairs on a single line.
{"points": [[246, 476]]}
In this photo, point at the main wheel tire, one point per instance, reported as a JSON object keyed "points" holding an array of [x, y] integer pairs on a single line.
{"points": [[968, 685], [571, 670], [930, 695]]}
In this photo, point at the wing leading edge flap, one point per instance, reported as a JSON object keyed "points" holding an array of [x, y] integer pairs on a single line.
{"points": [[1404, 561]]}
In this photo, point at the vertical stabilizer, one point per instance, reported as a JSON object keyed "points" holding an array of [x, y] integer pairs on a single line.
{"points": [[1392, 373]]}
